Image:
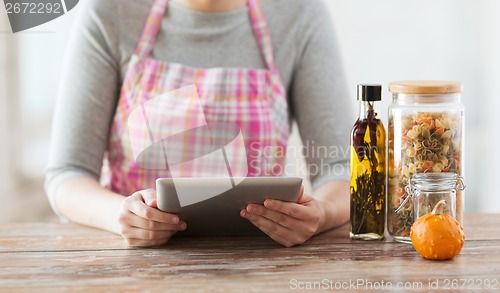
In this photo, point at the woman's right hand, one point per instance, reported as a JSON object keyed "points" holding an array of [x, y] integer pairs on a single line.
{"points": [[142, 224]]}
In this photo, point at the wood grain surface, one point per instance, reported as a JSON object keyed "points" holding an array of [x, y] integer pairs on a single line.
{"points": [[72, 258]]}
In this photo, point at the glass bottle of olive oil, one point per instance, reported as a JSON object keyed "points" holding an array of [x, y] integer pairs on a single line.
{"points": [[368, 168]]}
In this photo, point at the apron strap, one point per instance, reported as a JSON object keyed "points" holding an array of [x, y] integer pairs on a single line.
{"points": [[261, 32], [151, 28], [257, 19]]}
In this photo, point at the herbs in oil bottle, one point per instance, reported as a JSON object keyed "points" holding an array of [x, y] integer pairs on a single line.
{"points": [[368, 168]]}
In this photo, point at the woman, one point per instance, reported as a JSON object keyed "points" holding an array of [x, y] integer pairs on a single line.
{"points": [[123, 54]]}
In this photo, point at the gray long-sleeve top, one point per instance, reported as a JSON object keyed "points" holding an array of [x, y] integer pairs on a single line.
{"points": [[105, 36]]}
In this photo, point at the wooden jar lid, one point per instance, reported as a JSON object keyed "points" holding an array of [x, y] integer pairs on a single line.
{"points": [[426, 87]]}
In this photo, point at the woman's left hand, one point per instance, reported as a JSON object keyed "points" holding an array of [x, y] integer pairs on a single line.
{"points": [[287, 223]]}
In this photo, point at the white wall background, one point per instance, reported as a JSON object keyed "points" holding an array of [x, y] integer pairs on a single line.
{"points": [[5, 175], [387, 40], [381, 41], [30, 65]]}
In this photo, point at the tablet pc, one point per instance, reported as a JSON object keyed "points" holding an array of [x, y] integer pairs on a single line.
{"points": [[211, 207]]}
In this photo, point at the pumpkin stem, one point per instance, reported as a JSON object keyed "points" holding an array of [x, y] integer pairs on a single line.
{"points": [[438, 205]]}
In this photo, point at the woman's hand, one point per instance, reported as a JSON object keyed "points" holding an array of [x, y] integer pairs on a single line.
{"points": [[287, 223], [143, 225]]}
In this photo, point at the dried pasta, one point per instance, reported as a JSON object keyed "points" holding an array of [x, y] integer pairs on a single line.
{"points": [[425, 142]]}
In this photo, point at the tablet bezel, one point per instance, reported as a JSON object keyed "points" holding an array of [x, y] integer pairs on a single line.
{"points": [[220, 215]]}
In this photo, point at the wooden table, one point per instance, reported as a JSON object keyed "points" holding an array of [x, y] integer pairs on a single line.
{"points": [[69, 257]]}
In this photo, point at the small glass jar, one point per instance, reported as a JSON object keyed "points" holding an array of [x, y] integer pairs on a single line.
{"points": [[427, 189], [425, 131]]}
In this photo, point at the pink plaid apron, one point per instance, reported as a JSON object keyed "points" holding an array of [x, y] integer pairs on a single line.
{"points": [[252, 99]]}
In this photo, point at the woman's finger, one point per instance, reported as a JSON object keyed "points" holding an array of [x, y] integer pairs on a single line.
{"points": [[142, 210], [297, 211], [301, 193], [277, 232], [149, 197], [133, 220], [278, 217]]}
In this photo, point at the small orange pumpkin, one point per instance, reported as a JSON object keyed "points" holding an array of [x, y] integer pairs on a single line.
{"points": [[437, 236]]}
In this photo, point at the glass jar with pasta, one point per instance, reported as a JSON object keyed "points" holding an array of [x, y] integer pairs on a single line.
{"points": [[426, 134]]}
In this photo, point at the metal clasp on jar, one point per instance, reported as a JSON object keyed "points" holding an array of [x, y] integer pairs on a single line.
{"points": [[410, 189]]}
